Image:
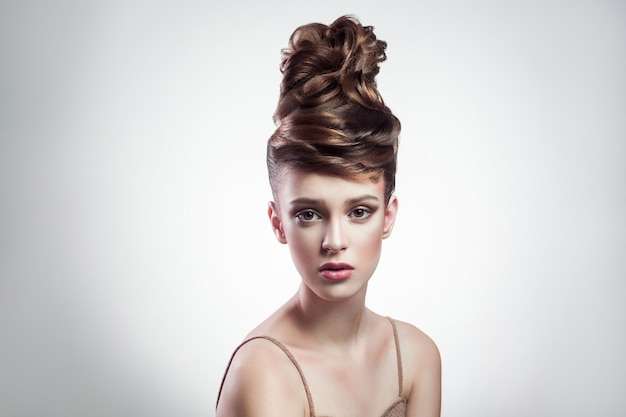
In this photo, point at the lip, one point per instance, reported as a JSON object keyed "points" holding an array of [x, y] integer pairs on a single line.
{"points": [[336, 271]]}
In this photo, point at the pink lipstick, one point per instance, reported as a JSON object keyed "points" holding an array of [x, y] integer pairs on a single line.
{"points": [[336, 271]]}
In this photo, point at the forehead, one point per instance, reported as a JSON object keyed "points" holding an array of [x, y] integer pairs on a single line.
{"points": [[297, 184]]}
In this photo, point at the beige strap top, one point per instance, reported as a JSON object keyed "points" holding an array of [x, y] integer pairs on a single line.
{"points": [[396, 409]]}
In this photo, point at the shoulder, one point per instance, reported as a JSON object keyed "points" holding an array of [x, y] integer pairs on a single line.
{"points": [[421, 364], [417, 345], [261, 381]]}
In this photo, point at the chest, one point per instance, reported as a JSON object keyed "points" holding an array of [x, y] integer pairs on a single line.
{"points": [[352, 386]]}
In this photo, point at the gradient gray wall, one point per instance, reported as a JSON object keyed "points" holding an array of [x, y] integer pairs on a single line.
{"points": [[134, 246]]}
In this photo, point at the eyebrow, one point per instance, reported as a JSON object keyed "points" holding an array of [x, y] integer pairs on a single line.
{"points": [[365, 197], [314, 201]]}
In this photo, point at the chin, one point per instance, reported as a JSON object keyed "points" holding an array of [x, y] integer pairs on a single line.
{"points": [[339, 291]]}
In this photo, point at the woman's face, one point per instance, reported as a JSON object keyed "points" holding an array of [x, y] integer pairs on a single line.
{"points": [[334, 228]]}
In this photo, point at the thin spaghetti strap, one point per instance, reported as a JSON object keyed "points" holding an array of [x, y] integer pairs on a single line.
{"points": [[398, 354], [291, 358]]}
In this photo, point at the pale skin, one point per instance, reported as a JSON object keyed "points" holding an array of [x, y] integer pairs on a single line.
{"points": [[345, 350]]}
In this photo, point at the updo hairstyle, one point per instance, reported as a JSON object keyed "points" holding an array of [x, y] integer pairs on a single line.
{"points": [[330, 117]]}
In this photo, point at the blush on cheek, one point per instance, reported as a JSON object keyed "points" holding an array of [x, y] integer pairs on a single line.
{"points": [[371, 243]]}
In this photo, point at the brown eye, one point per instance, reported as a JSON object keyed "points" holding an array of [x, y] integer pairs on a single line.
{"points": [[360, 213], [307, 216]]}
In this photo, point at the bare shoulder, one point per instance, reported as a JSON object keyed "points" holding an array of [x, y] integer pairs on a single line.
{"points": [[421, 364], [262, 381], [419, 348]]}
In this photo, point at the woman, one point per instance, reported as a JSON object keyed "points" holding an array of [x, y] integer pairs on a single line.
{"points": [[332, 164]]}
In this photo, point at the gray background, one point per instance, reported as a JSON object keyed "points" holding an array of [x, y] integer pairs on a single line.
{"points": [[134, 246]]}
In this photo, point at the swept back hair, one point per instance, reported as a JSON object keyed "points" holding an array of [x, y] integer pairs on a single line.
{"points": [[331, 118]]}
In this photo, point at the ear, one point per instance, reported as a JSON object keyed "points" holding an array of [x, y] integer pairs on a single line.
{"points": [[390, 216], [277, 226]]}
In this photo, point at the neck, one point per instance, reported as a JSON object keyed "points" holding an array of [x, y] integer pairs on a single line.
{"points": [[331, 323]]}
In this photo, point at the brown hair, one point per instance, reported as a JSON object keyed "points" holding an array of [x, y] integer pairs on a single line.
{"points": [[330, 116]]}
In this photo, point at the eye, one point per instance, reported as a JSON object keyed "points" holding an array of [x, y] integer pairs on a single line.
{"points": [[307, 216], [360, 213]]}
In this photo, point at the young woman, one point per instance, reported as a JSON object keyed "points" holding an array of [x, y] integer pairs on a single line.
{"points": [[332, 164]]}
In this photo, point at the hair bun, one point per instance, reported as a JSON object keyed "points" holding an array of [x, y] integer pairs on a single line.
{"points": [[330, 116], [324, 62]]}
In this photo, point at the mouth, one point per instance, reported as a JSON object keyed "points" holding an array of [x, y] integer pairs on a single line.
{"points": [[336, 271]]}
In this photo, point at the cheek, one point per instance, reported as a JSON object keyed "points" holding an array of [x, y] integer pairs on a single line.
{"points": [[370, 241], [303, 242], [367, 238]]}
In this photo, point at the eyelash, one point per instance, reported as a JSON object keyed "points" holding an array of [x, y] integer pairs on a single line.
{"points": [[363, 211], [300, 216]]}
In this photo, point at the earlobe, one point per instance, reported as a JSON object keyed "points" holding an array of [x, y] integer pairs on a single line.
{"points": [[277, 226], [390, 216]]}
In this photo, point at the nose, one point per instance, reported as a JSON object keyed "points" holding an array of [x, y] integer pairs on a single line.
{"points": [[335, 238]]}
